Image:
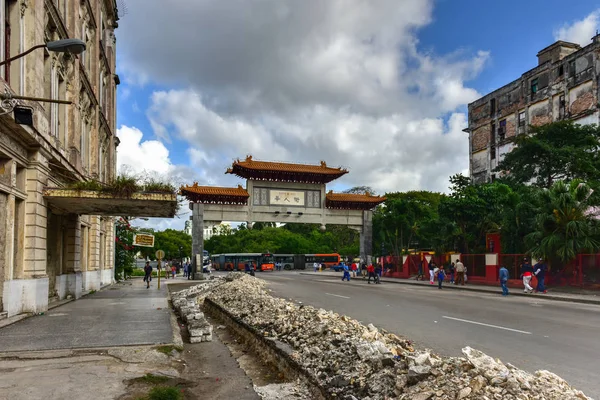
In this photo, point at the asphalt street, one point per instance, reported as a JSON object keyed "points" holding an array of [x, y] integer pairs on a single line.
{"points": [[528, 333], [123, 314]]}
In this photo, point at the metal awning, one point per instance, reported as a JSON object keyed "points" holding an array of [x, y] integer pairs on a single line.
{"points": [[89, 202]]}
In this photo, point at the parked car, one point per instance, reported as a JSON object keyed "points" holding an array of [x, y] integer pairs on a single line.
{"points": [[338, 268]]}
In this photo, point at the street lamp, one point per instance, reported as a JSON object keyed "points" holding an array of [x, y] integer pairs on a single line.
{"points": [[8, 101], [73, 46]]}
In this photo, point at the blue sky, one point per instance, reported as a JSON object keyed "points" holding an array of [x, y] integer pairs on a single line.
{"points": [[380, 87]]}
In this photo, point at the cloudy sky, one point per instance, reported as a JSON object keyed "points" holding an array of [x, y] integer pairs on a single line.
{"points": [[377, 86]]}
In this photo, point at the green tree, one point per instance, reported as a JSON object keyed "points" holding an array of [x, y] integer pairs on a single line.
{"points": [[565, 225], [558, 151], [124, 250]]}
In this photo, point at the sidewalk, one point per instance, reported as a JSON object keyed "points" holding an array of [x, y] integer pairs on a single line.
{"points": [[474, 287]]}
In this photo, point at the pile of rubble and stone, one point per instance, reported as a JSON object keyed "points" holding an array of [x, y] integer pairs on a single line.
{"points": [[187, 304], [353, 361]]}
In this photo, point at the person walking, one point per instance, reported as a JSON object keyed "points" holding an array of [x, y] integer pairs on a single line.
{"points": [[526, 274], [378, 270], [173, 270], [354, 268], [185, 270], [451, 271], [316, 266], [147, 274], [431, 272], [420, 275], [346, 272], [371, 272], [539, 270], [363, 270], [503, 276], [441, 275], [460, 273]]}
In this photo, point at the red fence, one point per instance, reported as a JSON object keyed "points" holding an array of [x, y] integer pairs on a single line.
{"points": [[475, 264]]}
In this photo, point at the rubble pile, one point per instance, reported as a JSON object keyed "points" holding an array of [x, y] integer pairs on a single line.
{"points": [[187, 304], [353, 361]]}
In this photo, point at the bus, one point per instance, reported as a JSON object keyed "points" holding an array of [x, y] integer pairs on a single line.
{"points": [[306, 261], [286, 260], [237, 261]]}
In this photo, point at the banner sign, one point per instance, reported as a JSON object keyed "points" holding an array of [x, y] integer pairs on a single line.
{"points": [[286, 198], [143, 240]]}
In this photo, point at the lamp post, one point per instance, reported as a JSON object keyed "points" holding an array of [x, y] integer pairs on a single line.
{"points": [[8, 101]]}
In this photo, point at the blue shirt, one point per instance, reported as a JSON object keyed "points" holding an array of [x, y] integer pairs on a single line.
{"points": [[345, 267], [540, 270], [503, 274]]}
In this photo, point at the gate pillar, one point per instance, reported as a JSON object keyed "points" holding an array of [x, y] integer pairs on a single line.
{"points": [[197, 239], [366, 237]]}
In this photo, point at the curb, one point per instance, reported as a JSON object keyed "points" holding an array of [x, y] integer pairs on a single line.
{"points": [[475, 289]]}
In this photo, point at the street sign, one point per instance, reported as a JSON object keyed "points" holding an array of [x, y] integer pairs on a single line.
{"points": [[143, 240], [160, 254]]}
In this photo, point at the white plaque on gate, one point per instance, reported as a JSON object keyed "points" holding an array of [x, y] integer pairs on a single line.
{"points": [[286, 198]]}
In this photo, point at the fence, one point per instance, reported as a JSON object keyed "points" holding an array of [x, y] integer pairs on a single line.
{"points": [[512, 262], [475, 264], [589, 268]]}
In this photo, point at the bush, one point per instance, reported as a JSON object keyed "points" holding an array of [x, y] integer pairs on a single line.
{"points": [[165, 393]]}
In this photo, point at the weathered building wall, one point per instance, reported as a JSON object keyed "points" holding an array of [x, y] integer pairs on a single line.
{"points": [[563, 85], [40, 248]]}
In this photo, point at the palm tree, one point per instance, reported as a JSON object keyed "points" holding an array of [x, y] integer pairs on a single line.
{"points": [[564, 226]]}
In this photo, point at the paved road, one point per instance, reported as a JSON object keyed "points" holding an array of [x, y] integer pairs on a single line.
{"points": [[531, 334], [124, 314]]}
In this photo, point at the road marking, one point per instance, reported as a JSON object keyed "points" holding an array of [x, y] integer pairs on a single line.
{"points": [[489, 325], [337, 295]]}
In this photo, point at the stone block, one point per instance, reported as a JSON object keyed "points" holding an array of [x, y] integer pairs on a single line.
{"points": [[196, 339]]}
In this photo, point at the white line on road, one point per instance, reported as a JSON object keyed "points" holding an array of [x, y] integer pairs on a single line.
{"points": [[337, 295], [491, 326]]}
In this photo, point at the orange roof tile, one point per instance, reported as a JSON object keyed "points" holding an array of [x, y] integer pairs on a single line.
{"points": [[351, 201], [354, 198], [250, 168], [214, 191]]}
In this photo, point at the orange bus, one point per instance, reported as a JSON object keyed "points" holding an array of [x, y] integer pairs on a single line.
{"points": [[327, 260], [237, 261]]}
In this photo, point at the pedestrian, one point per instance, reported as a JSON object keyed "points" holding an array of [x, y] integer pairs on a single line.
{"points": [[503, 275], [371, 272], [147, 274], [354, 268], [420, 275], [173, 270], [451, 270], [363, 270], [526, 274], [441, 275], [378, 270], [540, 270], [431, 272], [316, 266], [460, 273], [346, 272], [185, 270]]}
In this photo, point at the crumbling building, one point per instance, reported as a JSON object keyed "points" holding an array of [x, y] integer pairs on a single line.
{"points": [[564, 85]]}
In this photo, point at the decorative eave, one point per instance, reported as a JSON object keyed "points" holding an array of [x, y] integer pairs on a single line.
{"points": [[285, 172], [215, 194], [351, 201], [90, 202]]}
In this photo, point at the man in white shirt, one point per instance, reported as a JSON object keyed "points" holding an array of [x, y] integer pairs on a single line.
{"points": [[316, 266], [460, 273]]}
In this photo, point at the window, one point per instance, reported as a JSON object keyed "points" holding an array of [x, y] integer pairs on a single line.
{"points": [[572, 70], [522, 118], [561, 70], [493, 141], [534, 86], [562, 106], [502, 129], [492, 107]]}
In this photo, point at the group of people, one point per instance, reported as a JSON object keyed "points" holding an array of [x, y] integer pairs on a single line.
{"points": [[528, 271], [372, 271], [456, 271], [171, 271]]}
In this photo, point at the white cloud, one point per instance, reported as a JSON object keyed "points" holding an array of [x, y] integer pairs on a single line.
{"points": [[340, 80], [141, 156], [580, 31]]}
